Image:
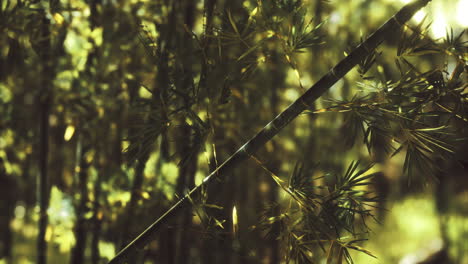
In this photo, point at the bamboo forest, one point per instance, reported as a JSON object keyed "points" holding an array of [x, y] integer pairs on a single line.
{"points": [[234, 131]]}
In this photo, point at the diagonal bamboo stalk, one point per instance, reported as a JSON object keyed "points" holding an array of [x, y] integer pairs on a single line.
{"points": [[387, 30]]}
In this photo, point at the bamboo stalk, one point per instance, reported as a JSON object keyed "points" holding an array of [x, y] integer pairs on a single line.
{"points": [[387, 30], [44, 109]]}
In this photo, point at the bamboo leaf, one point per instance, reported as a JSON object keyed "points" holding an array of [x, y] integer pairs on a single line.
{"points": [[214, 206], [363, 250], [251, 49], [330, 253], [233, 23]]}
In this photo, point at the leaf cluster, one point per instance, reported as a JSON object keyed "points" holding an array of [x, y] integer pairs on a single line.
{"points": [[414, 113], [416, 42], [322, 212], [271, 26], [171, 104], [287, 20]]}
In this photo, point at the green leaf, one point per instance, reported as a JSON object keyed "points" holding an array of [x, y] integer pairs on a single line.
{"points": [[233, 23], [252, 49]]}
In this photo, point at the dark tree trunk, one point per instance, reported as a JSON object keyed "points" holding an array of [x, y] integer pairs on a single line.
{"points": [[186, 145], [142, 156], [43, 184], [185, 181], [275, 165], [135, 197], [80, 229], [8, 197], [97, 217], [44, 110], [167, 249], [217, 246]]}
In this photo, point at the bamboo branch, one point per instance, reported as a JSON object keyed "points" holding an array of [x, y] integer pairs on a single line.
{"points": [[387, 30]]}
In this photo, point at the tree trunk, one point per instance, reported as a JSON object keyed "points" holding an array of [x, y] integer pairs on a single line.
{"points": [[8, 197], [275, 165], [186, 145], [97, 216], [134, 198], [44, 110], [185, 181], [96, 220], [78, 252]]}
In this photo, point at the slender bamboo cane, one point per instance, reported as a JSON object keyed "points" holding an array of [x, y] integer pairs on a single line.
{"points": [[45, 107], [387, 30]]}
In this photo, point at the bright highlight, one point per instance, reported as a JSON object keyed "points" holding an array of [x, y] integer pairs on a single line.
{"points": [[461, 16], [439, 26]]}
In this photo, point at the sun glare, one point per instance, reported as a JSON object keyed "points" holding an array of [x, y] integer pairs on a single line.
{"points": [[419, 16], [462, 17], [439, 26], [441, 18]]}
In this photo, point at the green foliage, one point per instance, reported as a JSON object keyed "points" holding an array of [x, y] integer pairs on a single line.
{"points": [[416, 43], [408, 113], [322, 214], [161, 91]]}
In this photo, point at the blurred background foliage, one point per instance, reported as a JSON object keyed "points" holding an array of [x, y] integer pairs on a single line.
{"points": [[112, 110]]}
